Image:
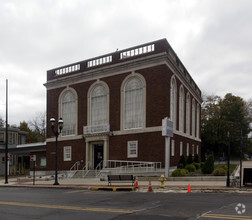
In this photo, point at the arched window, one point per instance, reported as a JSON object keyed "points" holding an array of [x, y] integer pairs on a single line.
{"points": [[181, 108], [68, 112], [98, 105], [188, 106], [198, 121], [173, 102], [133, 103], [193, 117]]}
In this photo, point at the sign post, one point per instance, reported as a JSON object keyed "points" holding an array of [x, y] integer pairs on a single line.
{"points": [[167, 131], [33, 158]]}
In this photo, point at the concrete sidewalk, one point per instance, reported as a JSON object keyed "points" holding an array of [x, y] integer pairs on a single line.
{"points": [[95, 183]]}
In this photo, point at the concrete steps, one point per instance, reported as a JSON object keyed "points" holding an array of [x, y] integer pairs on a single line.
{"points": [[85, 174]]}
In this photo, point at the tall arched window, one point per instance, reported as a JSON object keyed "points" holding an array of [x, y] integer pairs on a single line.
{"points": [[193, 117], [133, 103], [181, 108], [98, 105], [68, 112], [198, 121], [188, 107], [173, 102]]}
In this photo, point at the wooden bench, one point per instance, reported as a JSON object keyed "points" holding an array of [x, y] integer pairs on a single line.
{"points": [[121, 178]]}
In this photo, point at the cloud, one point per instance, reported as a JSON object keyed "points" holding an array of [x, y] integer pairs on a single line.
{"points": [[211, 37], [219, 55]]}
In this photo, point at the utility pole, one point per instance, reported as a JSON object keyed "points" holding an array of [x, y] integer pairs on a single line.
{"points": [[228, 161], [241, 159], [6, 136]]}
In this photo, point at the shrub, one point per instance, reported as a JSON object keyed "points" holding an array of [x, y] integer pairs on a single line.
{"points": [[182, 161], [179, 172], [203, 158], [190, 168], [197, 165], [196, 159], [223, 166], [180, 166], [219, 172], [189, 159], [208, 167]]}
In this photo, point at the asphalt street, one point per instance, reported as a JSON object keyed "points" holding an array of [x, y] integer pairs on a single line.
{"points": [[48, 203]]}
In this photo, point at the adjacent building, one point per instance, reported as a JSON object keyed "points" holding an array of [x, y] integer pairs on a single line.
{"points": [[19, 161], [113, 106]]}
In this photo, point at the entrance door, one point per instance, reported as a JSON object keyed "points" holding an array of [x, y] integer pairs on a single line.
{"points": [[98, 155]]}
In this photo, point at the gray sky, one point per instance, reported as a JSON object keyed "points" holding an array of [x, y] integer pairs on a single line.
{"points": [[213, 39]]}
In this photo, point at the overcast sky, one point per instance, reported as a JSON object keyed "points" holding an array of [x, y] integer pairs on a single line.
{"points": [[213, 39]]}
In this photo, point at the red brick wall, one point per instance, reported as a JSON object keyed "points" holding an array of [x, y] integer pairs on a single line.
{"points": [[150, 145], [78, 154]]}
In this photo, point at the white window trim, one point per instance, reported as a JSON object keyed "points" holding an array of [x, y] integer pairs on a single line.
{"points": [[173, 148], [76, 108], [132, 144], [65, 153], [89, 100], [133, 74], [188, 115], [181, 108], [181, 148], [193, 117], [173, 102]]}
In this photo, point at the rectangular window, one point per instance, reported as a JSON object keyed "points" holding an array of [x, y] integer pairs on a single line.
{"points": [[43, 162], [172, 148], [1, 137], [132, 149], [10, 136], [197, 149], [181, 148], [68, 153], [193, 150], [187, 149]]}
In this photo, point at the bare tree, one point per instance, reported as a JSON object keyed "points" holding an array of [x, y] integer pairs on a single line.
{"points": [[38, 125]]}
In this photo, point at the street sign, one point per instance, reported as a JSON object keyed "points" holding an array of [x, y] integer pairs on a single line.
{"points": [[167, 127], [167, 131], [33, 157]]}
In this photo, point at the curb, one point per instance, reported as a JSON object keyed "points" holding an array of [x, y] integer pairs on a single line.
{"points": [[113, 188], [167, 189]]}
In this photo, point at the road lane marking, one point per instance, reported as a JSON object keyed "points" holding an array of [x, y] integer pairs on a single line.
{"points": [[221, 216], [75, 191], [76, 208]]}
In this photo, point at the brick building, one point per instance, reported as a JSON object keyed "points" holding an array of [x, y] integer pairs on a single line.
{"points": [[113, 106]]}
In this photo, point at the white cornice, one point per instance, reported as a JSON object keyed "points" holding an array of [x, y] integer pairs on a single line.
{"points": [[125, 132]]}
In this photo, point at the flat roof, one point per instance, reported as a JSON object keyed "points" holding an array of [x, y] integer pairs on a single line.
{"points": [[33, 147], [121, 56]]}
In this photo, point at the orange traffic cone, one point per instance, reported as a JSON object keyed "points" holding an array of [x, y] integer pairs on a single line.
{"points": [[136, 182], [150, 187], [189, 188]]}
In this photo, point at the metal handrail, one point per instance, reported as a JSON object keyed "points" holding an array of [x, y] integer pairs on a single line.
{"points": [[98, 167], [133, 165], [75, 166], [84, 168], [86, 165]]}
